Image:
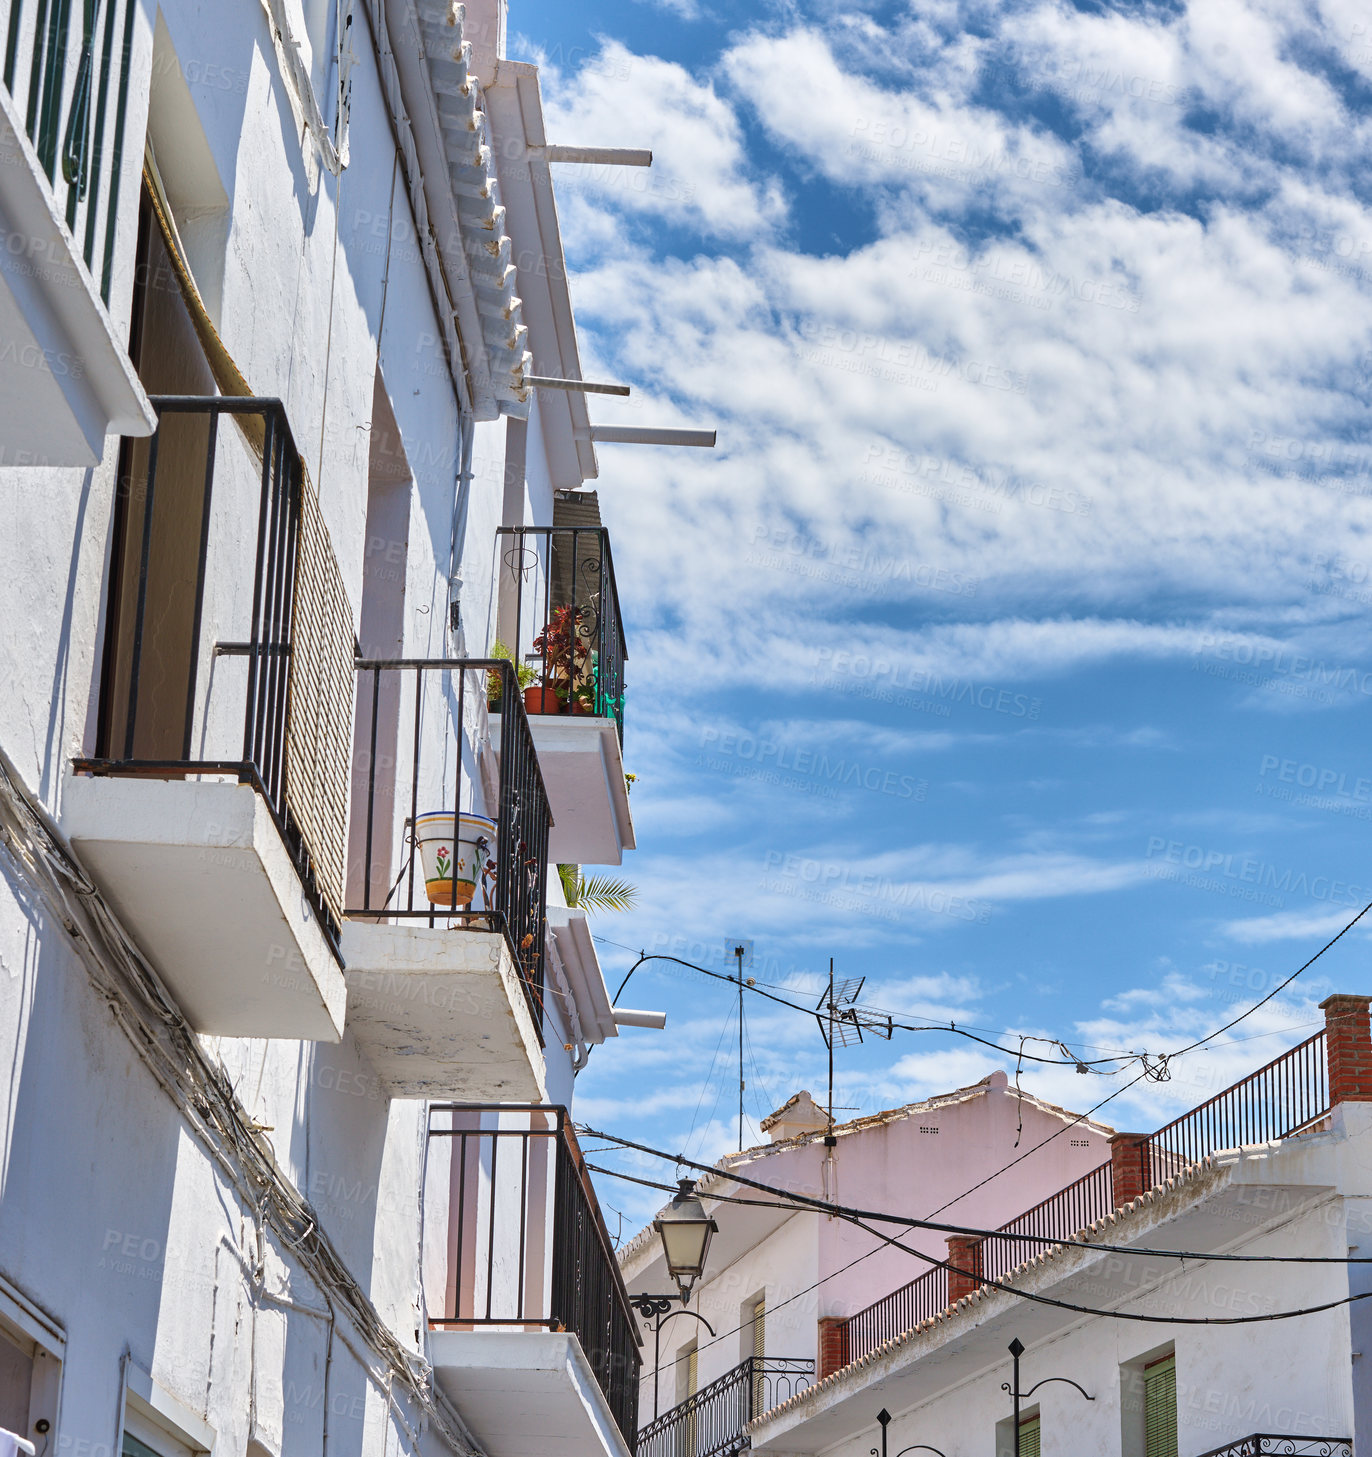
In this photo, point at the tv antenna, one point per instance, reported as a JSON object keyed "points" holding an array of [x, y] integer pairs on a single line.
{"points": [[842, 1024], [742, 952]]}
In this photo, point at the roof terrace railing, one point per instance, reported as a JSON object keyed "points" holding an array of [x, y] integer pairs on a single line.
{"points": [[1287, 1096]]}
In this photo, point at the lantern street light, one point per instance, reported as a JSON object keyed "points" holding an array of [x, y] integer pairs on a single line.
{"points": [[685, 1230]]}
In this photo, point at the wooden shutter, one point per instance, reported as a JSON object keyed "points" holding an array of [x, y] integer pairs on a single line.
{"points": [[692, 1372], [1160, 1408], [1029, 1438]]}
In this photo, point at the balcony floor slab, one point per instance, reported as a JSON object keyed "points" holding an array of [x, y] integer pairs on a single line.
{"points": [[198, 873], [442, 1013], [526, 1391], [583, 772]]}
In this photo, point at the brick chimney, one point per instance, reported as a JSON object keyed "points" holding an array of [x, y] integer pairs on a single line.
{"points": [[1348, 1048], [833, 1344], [964, 1255], [1126, 1167]]}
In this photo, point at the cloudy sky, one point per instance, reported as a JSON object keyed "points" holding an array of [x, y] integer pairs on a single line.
{"points": [[1012, 648]]}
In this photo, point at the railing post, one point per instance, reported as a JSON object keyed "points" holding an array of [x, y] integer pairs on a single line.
{"points": [[833, 1344], [964, 1257], [1348, 1047], [1128, 1178]]}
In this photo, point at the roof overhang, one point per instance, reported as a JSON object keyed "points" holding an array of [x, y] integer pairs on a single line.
{"points": [[456, 151], [515, 102], [576, 949]]}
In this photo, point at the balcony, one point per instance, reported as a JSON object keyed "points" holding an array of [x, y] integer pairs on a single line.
{"points": [[445, 931], [559, 615], [65, 377], [1259, 1445], [1288, 1096], [537, 1348], [711, 1423], [213, 813]]}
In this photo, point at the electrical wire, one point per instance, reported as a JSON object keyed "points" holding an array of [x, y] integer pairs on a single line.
{"points": [[799, 1203]]}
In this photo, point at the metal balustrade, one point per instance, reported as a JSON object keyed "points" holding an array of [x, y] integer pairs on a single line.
{"points": [[560, 617], [416, 718], [894, 1314], [528, 1247], [1286, 1096], [1260, 1445], [711, 1423], [1058, 1217], [171, 704], [66, 68]]}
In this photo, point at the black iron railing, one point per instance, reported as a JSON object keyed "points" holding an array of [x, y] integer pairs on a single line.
{"points": [[894, 1314], [1058, 1217], [414, 755], [561, 618], [711, 1423], [157, 718], [1287, 1095], [1259, 1445], [67, 72], [527, 1243]]}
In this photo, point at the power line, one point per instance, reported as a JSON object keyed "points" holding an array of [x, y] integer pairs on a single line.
{"points": [[800, 1203]]}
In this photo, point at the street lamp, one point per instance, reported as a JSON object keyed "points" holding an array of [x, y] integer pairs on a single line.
{"points": [[1016, 1351], [685, 1230]]}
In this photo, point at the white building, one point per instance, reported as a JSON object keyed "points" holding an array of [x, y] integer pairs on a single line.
{"points": [[1123, 1353], [275, 281]]}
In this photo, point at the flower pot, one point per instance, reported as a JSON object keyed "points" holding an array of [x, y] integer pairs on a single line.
{"points": [[538, 699], [451, 879], [579, 707]]}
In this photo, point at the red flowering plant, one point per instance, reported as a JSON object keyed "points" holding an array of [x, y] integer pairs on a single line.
{"points": [[565, 656]]}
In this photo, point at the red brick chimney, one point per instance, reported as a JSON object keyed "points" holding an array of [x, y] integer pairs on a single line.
{"points": [[1126, 1167], [1348, 1048], [964, 1255], [833, 1344]]}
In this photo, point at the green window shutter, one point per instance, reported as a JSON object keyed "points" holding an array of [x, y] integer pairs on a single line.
{"points": [[1029, 1438], [1160, 1408]]}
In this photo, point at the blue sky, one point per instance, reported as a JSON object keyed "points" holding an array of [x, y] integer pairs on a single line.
{"points": [[1012, 648]]}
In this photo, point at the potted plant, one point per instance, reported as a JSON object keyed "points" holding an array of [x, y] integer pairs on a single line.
{"points": [[495, 680], [563, 657], [452, 867]]}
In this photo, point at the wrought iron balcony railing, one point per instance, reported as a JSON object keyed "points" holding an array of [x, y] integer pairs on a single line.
{"points": [[560, 618], [228, 647], [67, 73], [711, 1423], [528, 1245], [415, 718], [1288, 1096], [1260, 1445]]}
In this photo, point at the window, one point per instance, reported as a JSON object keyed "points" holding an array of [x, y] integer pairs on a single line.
{"points": [[31, 1352], [759, 1318], [1029, 1437], [1160, 1408]]}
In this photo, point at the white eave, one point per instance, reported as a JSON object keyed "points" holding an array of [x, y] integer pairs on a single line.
{"points": [[576, 949], [453, 139], [516, 108]]}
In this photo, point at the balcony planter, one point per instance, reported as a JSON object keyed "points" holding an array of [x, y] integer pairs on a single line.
{"points": [[539, 699], [451, 880]]}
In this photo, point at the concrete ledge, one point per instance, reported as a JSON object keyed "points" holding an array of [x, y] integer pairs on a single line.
{"points": [[523, 1392], [199, 874], [442, 1013]]}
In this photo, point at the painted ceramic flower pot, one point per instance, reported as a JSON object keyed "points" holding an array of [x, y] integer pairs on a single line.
{"points": [[452, 869]]}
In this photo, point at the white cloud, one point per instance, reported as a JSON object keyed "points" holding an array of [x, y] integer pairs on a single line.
{"points": [[700, 177]]}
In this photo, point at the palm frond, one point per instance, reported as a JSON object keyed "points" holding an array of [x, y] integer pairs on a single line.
{"points": [[603, 893]]}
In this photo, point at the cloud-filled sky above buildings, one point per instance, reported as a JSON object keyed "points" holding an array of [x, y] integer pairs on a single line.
{"points": [[1012, 648]]}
